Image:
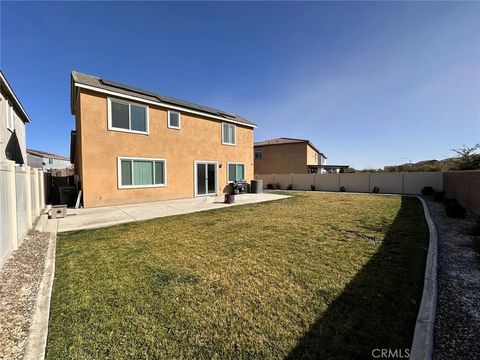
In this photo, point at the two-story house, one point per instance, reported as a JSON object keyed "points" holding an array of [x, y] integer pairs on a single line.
{"points": [[287, 156], [13, 118], [47, 161], [133, 145]]}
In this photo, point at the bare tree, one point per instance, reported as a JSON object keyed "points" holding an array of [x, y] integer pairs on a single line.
{"points": [[468, 157]]}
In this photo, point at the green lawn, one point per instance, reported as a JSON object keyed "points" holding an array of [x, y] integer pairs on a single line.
{"points": [[314, 276]]}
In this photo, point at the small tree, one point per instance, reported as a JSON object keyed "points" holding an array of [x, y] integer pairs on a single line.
{"points": [[468, 158]]}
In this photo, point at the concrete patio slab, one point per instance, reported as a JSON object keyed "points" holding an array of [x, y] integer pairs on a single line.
{"points": [[78, 219]]}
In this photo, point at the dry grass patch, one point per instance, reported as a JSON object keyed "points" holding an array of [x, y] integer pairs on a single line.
{"points": [[310, 276]]}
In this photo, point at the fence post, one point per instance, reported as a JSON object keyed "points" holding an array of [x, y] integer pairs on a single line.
{"points": [[12, 213], [41, 184], [36, 187], [28, 196]]}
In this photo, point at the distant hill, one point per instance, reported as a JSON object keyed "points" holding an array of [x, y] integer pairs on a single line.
{"points": [[425, 165]]}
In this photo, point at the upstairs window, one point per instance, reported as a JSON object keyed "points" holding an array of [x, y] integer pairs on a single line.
{"points": [[228, 134], [173, 120], [258, 153], [125, 116], [236, 172], [9, 115]]}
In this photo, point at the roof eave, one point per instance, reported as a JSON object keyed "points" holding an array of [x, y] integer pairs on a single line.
{"points": [[25, 117], [76, 84]]}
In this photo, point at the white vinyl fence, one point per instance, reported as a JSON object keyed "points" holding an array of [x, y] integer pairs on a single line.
{"points": [[22, 197], [387, 183]]}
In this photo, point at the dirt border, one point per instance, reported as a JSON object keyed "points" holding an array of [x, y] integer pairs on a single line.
{"points": [[37, 334]]}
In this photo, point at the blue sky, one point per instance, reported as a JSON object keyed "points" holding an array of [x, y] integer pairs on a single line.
{"points": [[370, 84]]}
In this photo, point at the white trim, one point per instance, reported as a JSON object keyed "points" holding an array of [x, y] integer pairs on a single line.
{"points": [[234, 135], [119, 173], [7, 85], [261, 152], [159, 104], [129, 103], [195, 185], [228, 170], [179, 120]]}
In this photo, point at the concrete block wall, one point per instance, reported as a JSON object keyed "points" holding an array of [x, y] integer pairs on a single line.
{"points": [[388, 183], [21, 202], [465, 187]]}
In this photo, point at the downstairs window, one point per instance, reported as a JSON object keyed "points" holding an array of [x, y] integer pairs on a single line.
{"points": [[141, 172], [236, 172]]}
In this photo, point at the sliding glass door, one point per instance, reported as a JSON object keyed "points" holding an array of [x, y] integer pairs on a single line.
{"points": [[206, 178]]}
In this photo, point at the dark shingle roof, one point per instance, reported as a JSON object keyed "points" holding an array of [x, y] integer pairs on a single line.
{"points": [[150, 96], [282, 140]]}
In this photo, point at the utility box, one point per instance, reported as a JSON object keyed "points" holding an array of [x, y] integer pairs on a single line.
{"points": [[256, 186], [68, 195], [58, 211]]}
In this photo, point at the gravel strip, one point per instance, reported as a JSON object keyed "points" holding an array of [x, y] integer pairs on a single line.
{"points": [[20, 279], [457, 323]]}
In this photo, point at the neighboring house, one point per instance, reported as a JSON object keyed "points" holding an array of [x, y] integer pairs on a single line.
{"points": [[287, 156], [47, 161], [333, 169], [133, 145], [12, 125]]}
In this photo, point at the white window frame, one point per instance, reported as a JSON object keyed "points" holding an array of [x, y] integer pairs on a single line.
{"points": [[119, 173], [228, 171], [234, 134], [179, 120], [112, 128], [260, 150], [195, 185], [9, 115]]}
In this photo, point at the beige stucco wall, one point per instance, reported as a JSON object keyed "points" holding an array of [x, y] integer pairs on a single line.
{"points": [[311, 159], [282, 159], [198, 139]]}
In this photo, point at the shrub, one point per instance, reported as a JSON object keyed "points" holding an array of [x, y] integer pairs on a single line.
{"points": [[277, 186], [474, 230], [312, 187], [454, 209], [342, 188], [376, 190], [476, 244], [438, 196], [289, 187], [428, 190], [270, 186]]}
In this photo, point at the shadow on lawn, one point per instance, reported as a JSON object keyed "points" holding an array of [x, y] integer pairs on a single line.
{"points": [[378, 308]]}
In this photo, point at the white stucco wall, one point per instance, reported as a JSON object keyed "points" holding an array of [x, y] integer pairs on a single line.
{"points": [[9, 138]]}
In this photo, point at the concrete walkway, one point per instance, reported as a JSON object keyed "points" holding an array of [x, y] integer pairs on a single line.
{"points": [[78, 219]]}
